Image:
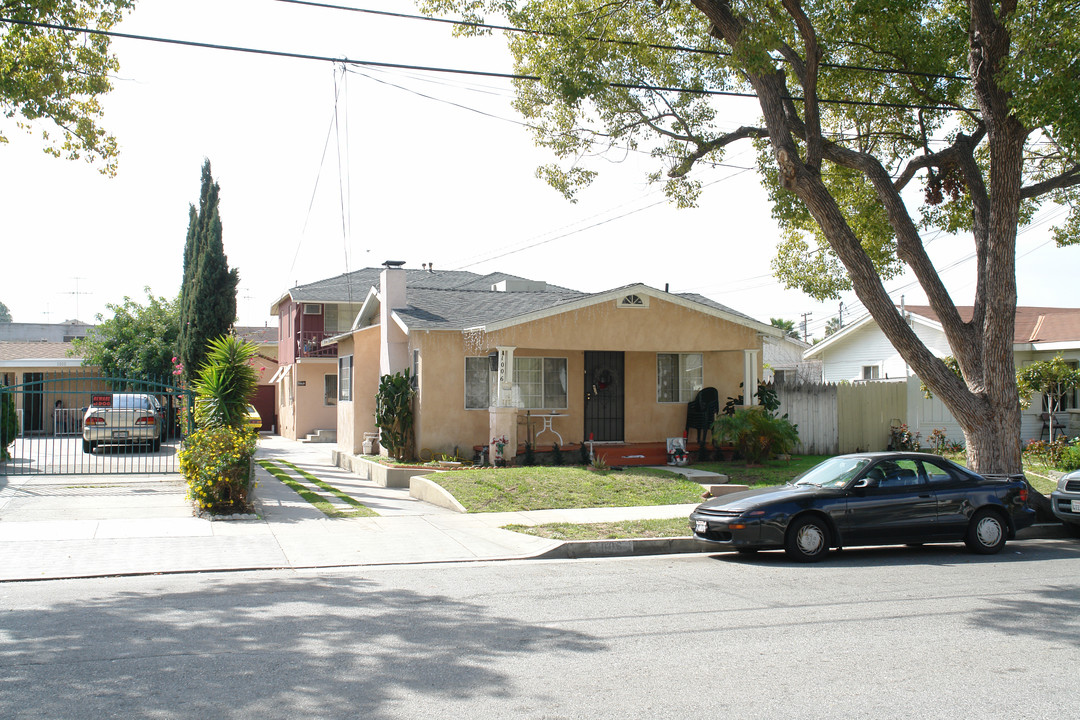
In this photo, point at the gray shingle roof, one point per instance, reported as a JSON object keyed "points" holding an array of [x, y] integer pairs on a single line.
{"points": [[694, 297], [354, 286], [459, 309]]}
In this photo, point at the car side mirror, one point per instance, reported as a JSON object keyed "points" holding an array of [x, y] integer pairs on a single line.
{"points": [[861, 484]]}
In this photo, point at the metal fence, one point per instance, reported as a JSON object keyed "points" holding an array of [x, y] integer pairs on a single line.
{"points": [[50, 408]]}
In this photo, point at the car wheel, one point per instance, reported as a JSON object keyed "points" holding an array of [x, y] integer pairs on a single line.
{"points": [[87, 446], [986, 533], [807, 539], [156, 445]]}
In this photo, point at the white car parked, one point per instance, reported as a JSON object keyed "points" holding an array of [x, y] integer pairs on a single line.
{"points": [[123, 419]]}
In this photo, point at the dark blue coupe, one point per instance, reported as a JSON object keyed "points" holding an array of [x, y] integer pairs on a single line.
{"points": [[886, 498]]}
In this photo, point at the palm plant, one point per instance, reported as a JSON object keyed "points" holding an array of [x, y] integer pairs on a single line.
{"points": [[226, 382], [755, 433]]}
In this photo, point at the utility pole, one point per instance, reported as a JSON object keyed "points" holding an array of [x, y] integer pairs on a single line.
{"points": [[805, 318]]}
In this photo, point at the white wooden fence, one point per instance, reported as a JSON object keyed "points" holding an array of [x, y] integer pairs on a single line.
{"points": [[843, 418]]}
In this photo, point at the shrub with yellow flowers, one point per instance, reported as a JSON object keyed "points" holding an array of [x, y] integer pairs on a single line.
{"points": [[216, 457], [216, 461]]}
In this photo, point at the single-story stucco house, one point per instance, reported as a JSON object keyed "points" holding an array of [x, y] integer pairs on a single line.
{"points": [[501, 356]]}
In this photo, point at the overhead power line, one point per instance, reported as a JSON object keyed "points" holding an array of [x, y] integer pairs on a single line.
{"points": [[592, 38], [436, 69]]}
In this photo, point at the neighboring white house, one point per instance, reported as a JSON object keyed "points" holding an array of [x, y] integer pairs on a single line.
{"points": [[860, 352], [783, 361]]}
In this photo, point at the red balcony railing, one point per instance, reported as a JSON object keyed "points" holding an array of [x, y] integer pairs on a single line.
{"points": [[309, 344]]}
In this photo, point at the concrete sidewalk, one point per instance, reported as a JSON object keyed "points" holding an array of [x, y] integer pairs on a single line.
{"points": [[87, 526], [54, 527]]}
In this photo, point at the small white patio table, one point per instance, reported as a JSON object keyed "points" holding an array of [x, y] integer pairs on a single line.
{"points": [[547, 418]]}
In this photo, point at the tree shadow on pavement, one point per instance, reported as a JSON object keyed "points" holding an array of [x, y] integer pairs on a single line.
{"points": [[253, 646]]}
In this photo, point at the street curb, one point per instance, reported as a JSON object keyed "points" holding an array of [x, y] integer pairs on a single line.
{"points": [[580, 549], [576, 549]]}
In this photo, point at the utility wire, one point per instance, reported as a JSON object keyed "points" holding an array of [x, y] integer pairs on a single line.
{"points": [[457, 71], [592, 38]]}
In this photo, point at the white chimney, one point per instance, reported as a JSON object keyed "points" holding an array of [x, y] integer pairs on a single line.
{"points": [[394, 353]]}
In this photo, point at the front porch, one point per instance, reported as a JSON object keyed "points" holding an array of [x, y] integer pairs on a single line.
{"points": [[616, 454]]}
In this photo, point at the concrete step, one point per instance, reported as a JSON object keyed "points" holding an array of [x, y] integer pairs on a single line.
{"points": [[321, 436]]}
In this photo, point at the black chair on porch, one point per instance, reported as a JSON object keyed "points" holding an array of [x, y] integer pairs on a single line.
{"points": [[700, 413]]}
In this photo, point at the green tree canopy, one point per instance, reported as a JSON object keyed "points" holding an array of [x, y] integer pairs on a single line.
{"points": [[138, 341], [1053, 378], [5, 314], [57, 76], [208, 293], [881, 122]]}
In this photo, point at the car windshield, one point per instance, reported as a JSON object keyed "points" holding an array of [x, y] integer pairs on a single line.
{"points": [[834, 472]]}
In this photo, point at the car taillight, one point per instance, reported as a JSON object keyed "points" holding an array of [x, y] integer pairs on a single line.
{"points": [[147, 420], [95, 420], [1024, 493]]}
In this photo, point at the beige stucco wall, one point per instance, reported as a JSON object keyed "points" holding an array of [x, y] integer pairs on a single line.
{"points": [[310, 412], [640, 333], [358, 416]]}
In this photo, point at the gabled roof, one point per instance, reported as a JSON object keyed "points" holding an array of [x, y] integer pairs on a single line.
{"points": [[465, 310], [1044, 328], [1036, 325]]}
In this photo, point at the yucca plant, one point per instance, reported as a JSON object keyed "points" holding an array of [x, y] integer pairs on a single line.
{"points": [[226, 382]]}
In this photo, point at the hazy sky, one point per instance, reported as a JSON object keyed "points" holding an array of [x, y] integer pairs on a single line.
{"points": [[422, 167]]}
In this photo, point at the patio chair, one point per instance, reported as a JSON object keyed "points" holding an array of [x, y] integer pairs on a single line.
{"points": [[701, 411]]}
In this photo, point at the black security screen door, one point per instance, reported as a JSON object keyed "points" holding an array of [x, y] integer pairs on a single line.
{"points": [[604, 396]]}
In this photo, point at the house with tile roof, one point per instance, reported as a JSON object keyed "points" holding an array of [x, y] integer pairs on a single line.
{"points": [[498, 355], [860, 352]]}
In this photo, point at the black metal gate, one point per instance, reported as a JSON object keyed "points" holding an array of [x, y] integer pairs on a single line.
{"points": [[604, 402], [52, 438]]}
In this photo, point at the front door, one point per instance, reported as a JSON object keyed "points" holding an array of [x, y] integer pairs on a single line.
{"points": [[33, 403], [604, 407]]}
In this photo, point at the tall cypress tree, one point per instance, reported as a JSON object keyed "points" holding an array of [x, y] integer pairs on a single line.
{"points": [[208, 292]]}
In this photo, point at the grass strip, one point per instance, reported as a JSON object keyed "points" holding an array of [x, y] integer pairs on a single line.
{"points": [[622, 530], [317, 501], [322, 484]]}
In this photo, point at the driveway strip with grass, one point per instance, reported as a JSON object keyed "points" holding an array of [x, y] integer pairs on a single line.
{"points": [[304, 482]]}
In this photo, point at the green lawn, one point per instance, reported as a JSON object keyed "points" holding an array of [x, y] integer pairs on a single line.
{"points": [[770, 472], [543, 488], [627, 529]]}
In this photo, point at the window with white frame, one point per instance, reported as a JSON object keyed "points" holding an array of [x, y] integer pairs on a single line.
{"points": [[679, 377], [330, 392], [540, 382], [344, 378], [870, 372]]}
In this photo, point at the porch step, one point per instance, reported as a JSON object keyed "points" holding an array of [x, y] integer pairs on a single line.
{"points": [[321, 436]]}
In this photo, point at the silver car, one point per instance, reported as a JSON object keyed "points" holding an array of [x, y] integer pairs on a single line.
{"points": [[123, 419], [1065, 501]]}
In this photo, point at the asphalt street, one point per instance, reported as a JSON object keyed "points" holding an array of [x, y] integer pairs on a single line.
{"points": [[929, 632]]}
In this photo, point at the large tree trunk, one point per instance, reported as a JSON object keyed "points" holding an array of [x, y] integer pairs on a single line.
{"points": [[985, 401]]}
